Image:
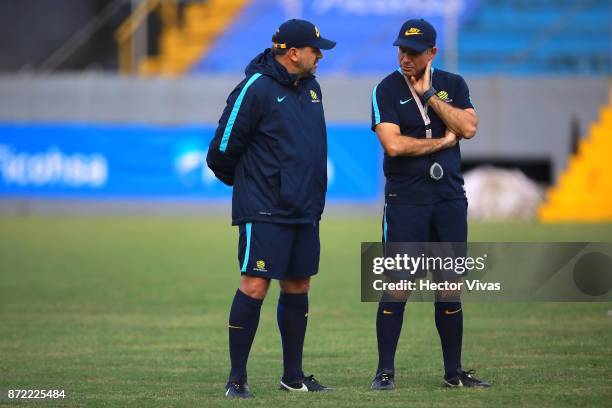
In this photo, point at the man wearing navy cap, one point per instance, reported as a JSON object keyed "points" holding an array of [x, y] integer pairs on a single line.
{"points": [[419, 115], [271, 146]]}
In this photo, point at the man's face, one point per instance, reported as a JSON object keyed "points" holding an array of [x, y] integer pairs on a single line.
{"points": [[414, 63], [307, 59]]}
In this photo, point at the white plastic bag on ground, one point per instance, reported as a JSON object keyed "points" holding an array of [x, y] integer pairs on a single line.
{"points": [[501, 194]]}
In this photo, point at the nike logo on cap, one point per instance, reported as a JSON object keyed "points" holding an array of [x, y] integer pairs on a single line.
{"points": [[279, 99]]}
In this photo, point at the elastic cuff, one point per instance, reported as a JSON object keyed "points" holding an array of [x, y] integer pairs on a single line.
{"points": [[247, 299]]}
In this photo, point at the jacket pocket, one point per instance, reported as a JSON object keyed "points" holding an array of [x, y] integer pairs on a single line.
{"points": [[289, 197], [284, 194]]}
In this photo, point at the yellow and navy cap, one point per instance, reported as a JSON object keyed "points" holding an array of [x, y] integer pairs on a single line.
{"points": [[416, 34], [300, 33]]}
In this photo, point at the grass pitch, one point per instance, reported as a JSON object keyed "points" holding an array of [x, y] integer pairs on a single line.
{"points": [[124, 311]]}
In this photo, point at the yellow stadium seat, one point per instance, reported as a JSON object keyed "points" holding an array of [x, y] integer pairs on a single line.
{"points": [[584, 191], [181, 47]]}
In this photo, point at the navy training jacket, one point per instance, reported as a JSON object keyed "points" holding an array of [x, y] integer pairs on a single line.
{"points": [[271, 145]]}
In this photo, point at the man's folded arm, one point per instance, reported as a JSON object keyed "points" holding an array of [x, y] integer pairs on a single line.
{"points": [[395, 144]]}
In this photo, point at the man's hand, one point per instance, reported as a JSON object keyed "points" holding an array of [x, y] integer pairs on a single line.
{"points": [[423, 84], [450, 139]]}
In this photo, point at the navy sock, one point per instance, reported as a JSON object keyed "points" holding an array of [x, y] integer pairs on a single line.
{"points": [[389, 319], [243, 322], [449, 322], [292, 316]]}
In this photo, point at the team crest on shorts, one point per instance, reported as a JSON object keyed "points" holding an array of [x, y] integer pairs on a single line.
{"points": [[260, 266]]}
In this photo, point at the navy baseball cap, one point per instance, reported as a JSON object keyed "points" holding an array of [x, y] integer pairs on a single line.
{"points": [[300, 33], [416, 34]]}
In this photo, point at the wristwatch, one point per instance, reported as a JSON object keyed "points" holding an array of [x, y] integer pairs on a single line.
{"points": [[428, 94]]}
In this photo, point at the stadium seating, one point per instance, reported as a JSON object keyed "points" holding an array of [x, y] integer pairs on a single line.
{"points": [[496, 36], [364, 36], [182, 45], [584, 191], [537, 37]]}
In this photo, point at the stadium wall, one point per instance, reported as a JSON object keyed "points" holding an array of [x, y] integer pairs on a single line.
{"points": [[164, 124], [519, 118]]}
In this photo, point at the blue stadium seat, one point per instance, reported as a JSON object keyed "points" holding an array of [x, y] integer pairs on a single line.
{"points": [[516, 37], [538, 37]]}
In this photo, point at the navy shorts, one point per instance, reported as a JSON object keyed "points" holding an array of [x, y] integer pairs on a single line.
{"points": [[279, 251], [445, 221]]}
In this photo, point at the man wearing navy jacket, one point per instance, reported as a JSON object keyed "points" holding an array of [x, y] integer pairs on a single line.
{"points": [[271, 145], [419, 115]]}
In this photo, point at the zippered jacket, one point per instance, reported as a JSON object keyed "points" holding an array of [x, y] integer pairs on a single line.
{"points": [[271, 145]]}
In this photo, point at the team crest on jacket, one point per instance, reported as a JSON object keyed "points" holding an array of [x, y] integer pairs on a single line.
{"points": [[314, 96]]}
